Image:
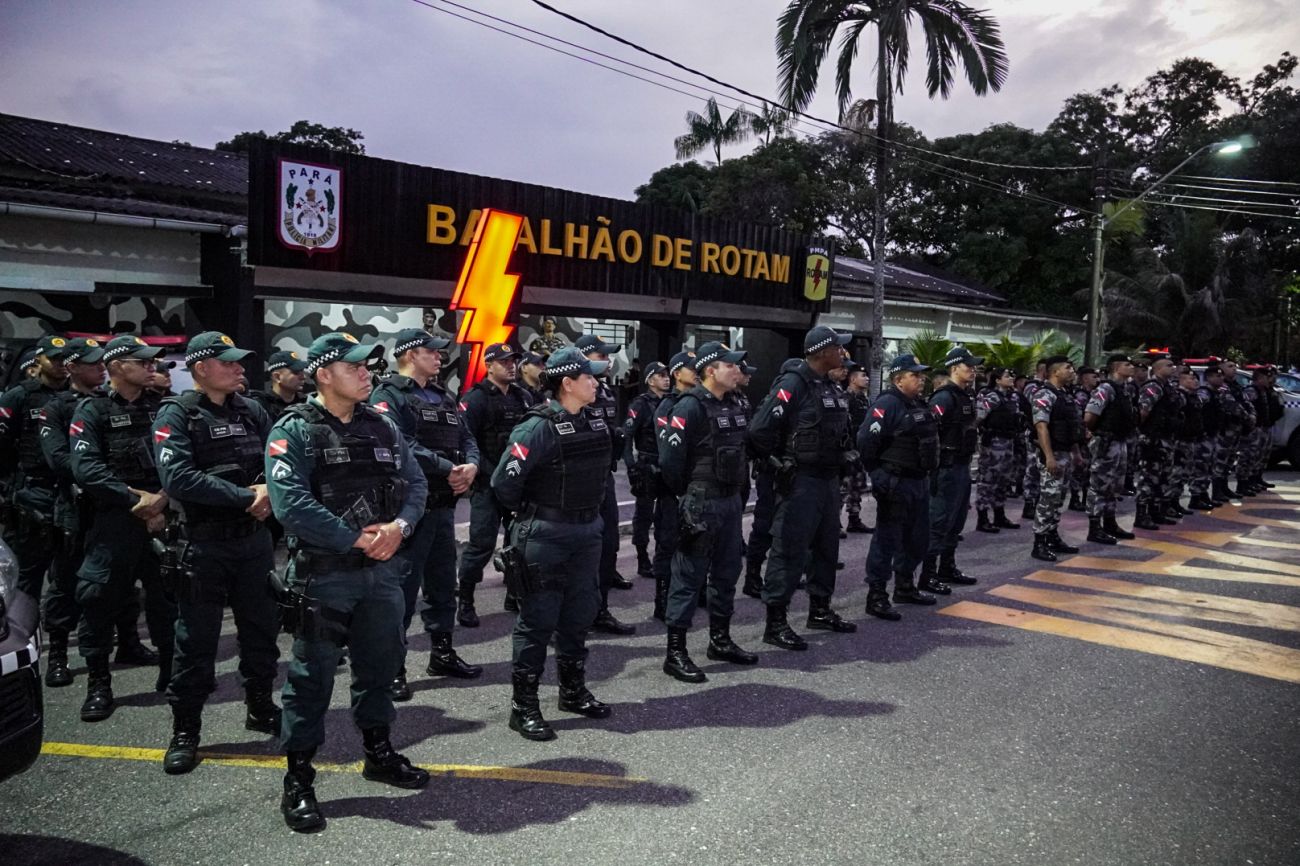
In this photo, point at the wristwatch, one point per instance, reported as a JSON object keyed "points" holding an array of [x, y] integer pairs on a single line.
{"points": [[404, 526]]}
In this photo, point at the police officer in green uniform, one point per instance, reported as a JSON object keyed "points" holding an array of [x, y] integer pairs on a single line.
{"points": [[804, 421], [286, 371], [681, 371], [552, 477], [490, 410], [430, 420], [641, 456], [208, 446], [532, 376], [113, 463], [349, 492], [702, 455]]}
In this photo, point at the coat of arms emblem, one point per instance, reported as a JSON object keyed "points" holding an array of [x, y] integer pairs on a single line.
{"points": [[310, 205]]}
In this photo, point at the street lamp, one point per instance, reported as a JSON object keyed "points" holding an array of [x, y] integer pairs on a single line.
{"points": [[1093, 339]]}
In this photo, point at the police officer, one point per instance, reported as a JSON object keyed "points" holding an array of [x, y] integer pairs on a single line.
{"points": [[1082, 393], [899, 445], [1158, 414], [1141, 373], [430, 421], [286, 371], [953, 407], [681, 370], [1001, 424], [532, 376], [1059, 430], [606, 406], [113, 463], [1033, 479], [1188, 432], [702, 455], [1238, 423], [1262, 397], [208, 446], [855, 483], [348, 491], [641, 456], [804, 422], [760, 529], [1202, 473], [1111, 419], [552, 476], [490, 410]]}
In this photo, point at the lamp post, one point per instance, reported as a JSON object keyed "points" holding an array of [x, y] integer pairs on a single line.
{"points": [[1094, 338]]}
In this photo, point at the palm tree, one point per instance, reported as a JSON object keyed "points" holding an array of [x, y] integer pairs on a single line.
{"points": [[954, 34], [711, 130], [928, 347], [771, 121]]}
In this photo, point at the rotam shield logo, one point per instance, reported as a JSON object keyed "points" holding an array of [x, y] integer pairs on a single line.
{"points": [[311, 205]]}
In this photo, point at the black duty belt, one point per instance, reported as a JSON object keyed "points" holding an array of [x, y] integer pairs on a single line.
{"points": [[222, 531], [713, 489], [952, 458], [353, 559], [559, 515], [904, 472], [818, 471]]}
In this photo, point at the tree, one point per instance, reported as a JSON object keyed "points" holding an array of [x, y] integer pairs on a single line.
{"points": [[711, 130], [684, 186], [955, 34], [302, 132], [770, 122], [779, 184]]}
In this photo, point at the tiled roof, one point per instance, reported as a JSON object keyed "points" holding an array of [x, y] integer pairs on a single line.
{"points": [[48, 162], [909, 282]]}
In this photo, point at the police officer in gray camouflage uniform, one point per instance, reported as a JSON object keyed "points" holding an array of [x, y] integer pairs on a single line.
{"points": [[1059, 430], [1001, 425], [1110, 418]]}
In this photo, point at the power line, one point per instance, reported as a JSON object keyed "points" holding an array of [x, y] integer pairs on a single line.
{"points": [[1237, 190], [1240, 180], [1163, 203], [1293, 206]]}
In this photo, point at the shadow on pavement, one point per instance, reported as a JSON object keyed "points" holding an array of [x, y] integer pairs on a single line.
{"points": [[53, 851]]}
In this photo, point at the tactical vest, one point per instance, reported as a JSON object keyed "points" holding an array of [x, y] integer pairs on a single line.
{"points": [[229, 448], [504, 412], [127, 438], [1211, 410], [271, 402], [1263, 411], [31, 460], [1065, 423], [1118, 417], [605, 407], [1004, 420], [957, 428], [819, 441], [646, 441], [914, 448], [356, 474], [1162, 420], [574, 479], [437, 427], [1234, 409], [720, 460], [1192, 424]]}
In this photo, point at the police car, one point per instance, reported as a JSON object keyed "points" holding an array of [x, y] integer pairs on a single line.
{"points": [[22, 714]]}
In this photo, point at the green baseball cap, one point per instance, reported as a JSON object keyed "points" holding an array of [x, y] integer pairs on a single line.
{"points": [[128, 346], [52, 346], [213, 344], [83, 350], [414, 338], [339, 346]]}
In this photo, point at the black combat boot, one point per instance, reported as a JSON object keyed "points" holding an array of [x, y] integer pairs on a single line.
{"points": [[262, 715], [1259, 479], [905, 591], [1042, 550], [1172, 512], [855, 524], [1201, 502], [1027, 513], [1245, 488], [525, 713], [98, 705], [618, 581], [1157, 512], [575, 697], [984, 524], [443, 660], [384, 764], [1000, 519], [822, 618], [677, 662], [1057, 543], [778, 632], [1129, 488], [1108, 523], [753, 586], [929, 580], [183, 751], [1076, 501], [399, 689], [510, 604], [608, 623], [298, 805], [661, 598], [950, 574], [1219, 491], [132, 651], [466, 615], [1097, 533], [1143, 520], [722, 648], [878, 604], [57, 673], [644, 566], [1178, 506]]}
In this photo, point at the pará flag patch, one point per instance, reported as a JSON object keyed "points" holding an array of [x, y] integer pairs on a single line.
{"points": [[877, 412], [938, 409], [518, 450], [162, 434], [382, 406], [679, 422], [76, 428], [463, 406], [661, 421], [783, 395], [6, 412], [277, 447]]}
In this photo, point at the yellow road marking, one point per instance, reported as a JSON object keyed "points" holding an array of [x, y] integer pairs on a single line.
{"points": [[1169, 568], [1185, 553], [1242, 515], [459, 771], [1221, 539], [1174, 602], [1186, 643]]}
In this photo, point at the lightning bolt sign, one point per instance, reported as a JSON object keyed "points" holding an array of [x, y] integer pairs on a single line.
{"points": [[485, 292]]}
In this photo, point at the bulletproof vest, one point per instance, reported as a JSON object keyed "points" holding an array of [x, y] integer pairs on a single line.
{"points": [[1263, 411], [1162, 420], [1192, 424], [355, 475], [605, 406], [858, 403], [818, 438], [504, 412], [574, 479], [1004, 419], [437, 427], [31, 461], [127, 438], [1118, 416], [721, 455], [1065, 423], [914, 446], [227, 447], [1211, 410], [957, 426], [271, 402], [646, 443]]}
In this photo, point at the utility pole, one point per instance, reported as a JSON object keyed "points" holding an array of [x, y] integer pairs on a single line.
{"points": [[1095, 335]]}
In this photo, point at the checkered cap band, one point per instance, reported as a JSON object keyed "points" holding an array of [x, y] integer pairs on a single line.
{"points": [[206, 352], [702, 362], [564, 369], [817, 347], [274, 365], [328, 358], [110, 354], [409, 345]]}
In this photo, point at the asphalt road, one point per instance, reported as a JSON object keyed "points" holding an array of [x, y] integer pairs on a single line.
{"points": [[1139, 707]]}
